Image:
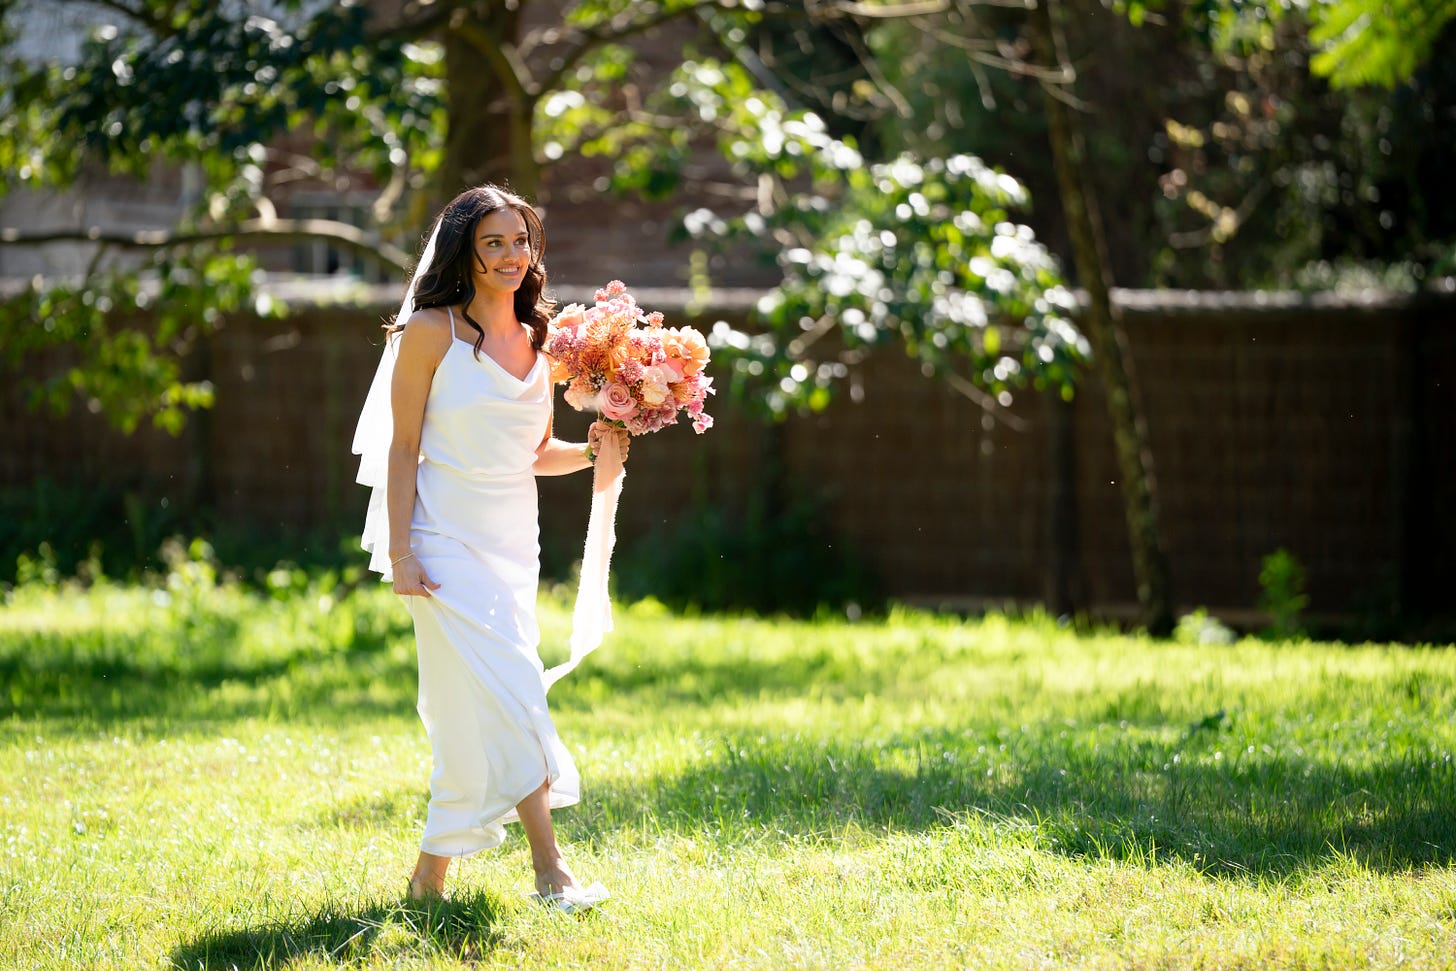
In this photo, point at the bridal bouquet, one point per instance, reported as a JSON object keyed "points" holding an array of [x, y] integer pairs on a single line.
{"points": [[622, 363], [619, 361]]}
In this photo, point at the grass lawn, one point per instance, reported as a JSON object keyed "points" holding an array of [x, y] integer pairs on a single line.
{"points": [[199, 777]]}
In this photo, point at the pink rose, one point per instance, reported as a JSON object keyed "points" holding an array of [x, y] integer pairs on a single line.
{"points": [[617, 403]]}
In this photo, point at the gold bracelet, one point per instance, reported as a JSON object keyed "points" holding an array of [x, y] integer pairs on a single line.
{"points": [[402, 558]]}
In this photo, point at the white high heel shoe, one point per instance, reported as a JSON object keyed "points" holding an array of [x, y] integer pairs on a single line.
{"points": [[574, 900]]}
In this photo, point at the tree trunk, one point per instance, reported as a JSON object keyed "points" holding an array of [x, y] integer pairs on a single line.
{"points": [[1060, 588], [1104, 330], [489, 134]]}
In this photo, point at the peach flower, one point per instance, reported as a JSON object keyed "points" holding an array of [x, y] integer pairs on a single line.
{"points": [[655, 381], [572, 315], [580, 395], [688, 346]]}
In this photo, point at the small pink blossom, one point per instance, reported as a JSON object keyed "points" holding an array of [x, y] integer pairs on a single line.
{"points": [[611, 290], [702, 423], [651, 420], [630, 372]]}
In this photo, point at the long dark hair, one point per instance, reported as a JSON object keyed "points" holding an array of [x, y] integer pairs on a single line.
{"points": [[449, 280]]}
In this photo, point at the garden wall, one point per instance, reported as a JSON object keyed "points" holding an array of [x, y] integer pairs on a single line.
{"points": [[1320, 425]]}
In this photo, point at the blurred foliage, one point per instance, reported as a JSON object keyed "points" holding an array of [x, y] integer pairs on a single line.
{"points": [[1271, 174], [1199, 628], [52, 531], [71, 531], [922, 253], [198, 82], [231, 99], [1281, 580], [770, 558], [119, 341], [1380, 42], [1235, 143]]}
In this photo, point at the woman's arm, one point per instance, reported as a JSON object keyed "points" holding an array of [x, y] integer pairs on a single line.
{"points": [[422, 345], [555, 457]]}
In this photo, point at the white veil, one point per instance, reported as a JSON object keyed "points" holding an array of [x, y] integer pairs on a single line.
{"points": [[376, 429]]}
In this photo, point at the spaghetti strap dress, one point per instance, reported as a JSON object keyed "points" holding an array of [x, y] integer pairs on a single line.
{"points": [[475, 530]]}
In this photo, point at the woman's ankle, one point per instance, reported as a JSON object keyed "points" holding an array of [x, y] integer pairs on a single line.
{"points": [[428, 878], [425, 890], [554, 878]]}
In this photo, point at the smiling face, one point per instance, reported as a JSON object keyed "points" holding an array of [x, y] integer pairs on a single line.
{"points": [[502, 251]]}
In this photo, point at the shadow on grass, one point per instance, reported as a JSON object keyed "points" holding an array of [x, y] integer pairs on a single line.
{"points": [[1270, 817], [82, 683], [461, 929], [665, 680]]}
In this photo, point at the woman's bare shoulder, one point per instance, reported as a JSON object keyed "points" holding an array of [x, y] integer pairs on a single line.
{"points": [[428, 330]]}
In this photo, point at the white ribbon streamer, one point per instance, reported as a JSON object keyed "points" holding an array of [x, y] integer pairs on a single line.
{"points": [[591, 618]]}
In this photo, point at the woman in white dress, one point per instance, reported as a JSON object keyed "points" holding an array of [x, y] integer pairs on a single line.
{"points": [[469, 400]]}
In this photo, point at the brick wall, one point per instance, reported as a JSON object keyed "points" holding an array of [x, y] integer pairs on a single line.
{"points": [[1319, 425]]}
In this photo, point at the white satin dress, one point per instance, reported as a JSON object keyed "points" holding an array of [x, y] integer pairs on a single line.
{"points": [[475, 531]]}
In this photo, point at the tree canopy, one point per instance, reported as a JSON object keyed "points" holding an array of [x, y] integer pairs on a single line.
{"points": [[878, 152], [338, 96]]}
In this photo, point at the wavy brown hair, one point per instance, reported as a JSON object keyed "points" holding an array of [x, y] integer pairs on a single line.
{"points": [[449, 280]]}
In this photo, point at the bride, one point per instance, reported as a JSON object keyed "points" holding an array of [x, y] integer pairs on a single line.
{"points": [[455, 430]]}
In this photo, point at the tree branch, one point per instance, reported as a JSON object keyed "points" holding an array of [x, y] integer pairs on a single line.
{"points": [[889, 11], [1201, 237], [142, 16], [352, 238], [620, 27], [987, 402], [406, 28], [512, 71], [871, 66]]}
